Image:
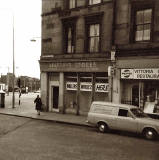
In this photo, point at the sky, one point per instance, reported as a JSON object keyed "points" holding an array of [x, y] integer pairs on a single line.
{"points": [[27, 26]]}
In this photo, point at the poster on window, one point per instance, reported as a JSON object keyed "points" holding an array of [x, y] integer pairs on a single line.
{"points": [[72, 86], [85, 86], [102, 87]]}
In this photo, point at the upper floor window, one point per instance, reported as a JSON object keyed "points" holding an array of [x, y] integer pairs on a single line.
{"points": [[72, 4], [91, 2], [93, 33], [70, 40], [69, 36], [93, 37], [143, 25]]}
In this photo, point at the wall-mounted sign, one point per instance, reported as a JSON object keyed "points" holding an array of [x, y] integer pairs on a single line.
{"points": [[127, 74], [148, 73], [86, 86], [102, 87], [84, 66]]}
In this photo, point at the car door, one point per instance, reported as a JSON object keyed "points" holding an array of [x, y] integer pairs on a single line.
{"points": [[125, 121]]}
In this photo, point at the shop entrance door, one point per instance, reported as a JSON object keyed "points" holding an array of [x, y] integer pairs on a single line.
{"points": [[135, 95], [55, 97]]}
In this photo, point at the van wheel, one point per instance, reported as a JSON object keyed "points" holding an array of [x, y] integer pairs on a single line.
{"points": [[102, 127], [150, 134]]}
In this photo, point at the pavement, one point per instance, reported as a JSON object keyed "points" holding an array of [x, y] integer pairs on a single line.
{"points": [[29, 111]]}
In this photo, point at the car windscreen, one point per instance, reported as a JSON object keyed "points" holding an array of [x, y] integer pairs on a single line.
{"points": [[138, 112]]}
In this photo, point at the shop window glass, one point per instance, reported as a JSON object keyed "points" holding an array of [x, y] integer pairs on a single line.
{"points": [[143, 25]]}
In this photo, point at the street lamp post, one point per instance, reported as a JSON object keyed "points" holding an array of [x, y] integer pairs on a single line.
{"points": [[13, 96]]}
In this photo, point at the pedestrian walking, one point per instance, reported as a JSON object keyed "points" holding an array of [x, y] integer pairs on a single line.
{"points": [[38, 104]]}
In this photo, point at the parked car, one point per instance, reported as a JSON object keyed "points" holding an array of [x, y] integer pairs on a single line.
{"points": [[38, 91], [107, 115]]}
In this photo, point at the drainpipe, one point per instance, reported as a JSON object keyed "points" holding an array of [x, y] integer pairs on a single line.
{"points": [[114, 22], [113, 49]]}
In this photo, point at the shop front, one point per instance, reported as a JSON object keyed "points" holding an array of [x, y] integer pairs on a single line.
{"points": [[70, 87], [140, 87]]}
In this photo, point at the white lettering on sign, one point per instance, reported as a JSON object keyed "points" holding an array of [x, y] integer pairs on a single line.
{"points": [[148, 73], [102, 87]]}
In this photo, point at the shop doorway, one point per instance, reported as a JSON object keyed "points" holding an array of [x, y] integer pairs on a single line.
{"points": [[135, 95], [55, 91]]}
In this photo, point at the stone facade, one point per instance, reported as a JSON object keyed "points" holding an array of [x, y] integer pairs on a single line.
{"points": [[118, 29]]}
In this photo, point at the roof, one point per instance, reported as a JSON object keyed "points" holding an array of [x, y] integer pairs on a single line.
{"points": [[115, 104]]}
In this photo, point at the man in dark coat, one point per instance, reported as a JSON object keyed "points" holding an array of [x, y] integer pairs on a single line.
{"points": [[38, 104]]}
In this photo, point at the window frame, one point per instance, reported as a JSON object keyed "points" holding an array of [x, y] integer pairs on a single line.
{"points": [[90, 4], [139, 6], [91, 20], [75, 1], [69, 23], [89, 37]]}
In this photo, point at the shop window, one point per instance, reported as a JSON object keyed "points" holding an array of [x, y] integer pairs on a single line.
{"points": [[85, 77], [76, 3], [69, 36], [102, 77], [142, 20]]}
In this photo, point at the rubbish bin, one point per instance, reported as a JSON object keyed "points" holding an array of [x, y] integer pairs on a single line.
{"points": [[2, 99]]}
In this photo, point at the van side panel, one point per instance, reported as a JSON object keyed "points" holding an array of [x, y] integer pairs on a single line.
{"points": [[104, 113]]}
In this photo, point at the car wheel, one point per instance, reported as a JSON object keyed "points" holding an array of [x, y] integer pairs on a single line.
{"points": [[102, 127], [150, 134]]}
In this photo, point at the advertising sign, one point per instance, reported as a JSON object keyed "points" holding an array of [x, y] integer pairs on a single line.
{"points": [[148, 73], [102, 87], [72, 86], [127, 74], [85, 86]]}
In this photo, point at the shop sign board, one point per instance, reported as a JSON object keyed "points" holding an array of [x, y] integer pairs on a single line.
{"points": [[102, 87], [86, 86], [84, 66], [148, 73]]}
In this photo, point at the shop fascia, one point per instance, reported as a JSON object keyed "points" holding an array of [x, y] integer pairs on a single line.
{"points": [[147, 73], [86, 86]]}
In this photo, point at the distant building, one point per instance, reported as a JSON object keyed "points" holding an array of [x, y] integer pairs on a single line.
{"points": [[31, 83]]}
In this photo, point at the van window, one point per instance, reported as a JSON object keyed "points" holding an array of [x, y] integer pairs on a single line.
{"points": [[123, 113]]}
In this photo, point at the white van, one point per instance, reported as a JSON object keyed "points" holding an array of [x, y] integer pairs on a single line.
{"points": [[107, 115]]}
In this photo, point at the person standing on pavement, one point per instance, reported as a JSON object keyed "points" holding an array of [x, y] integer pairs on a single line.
{"points": [[38, 104]]}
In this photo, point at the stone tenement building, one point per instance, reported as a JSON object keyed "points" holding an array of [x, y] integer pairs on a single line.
{"points": [[104, 50]]}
